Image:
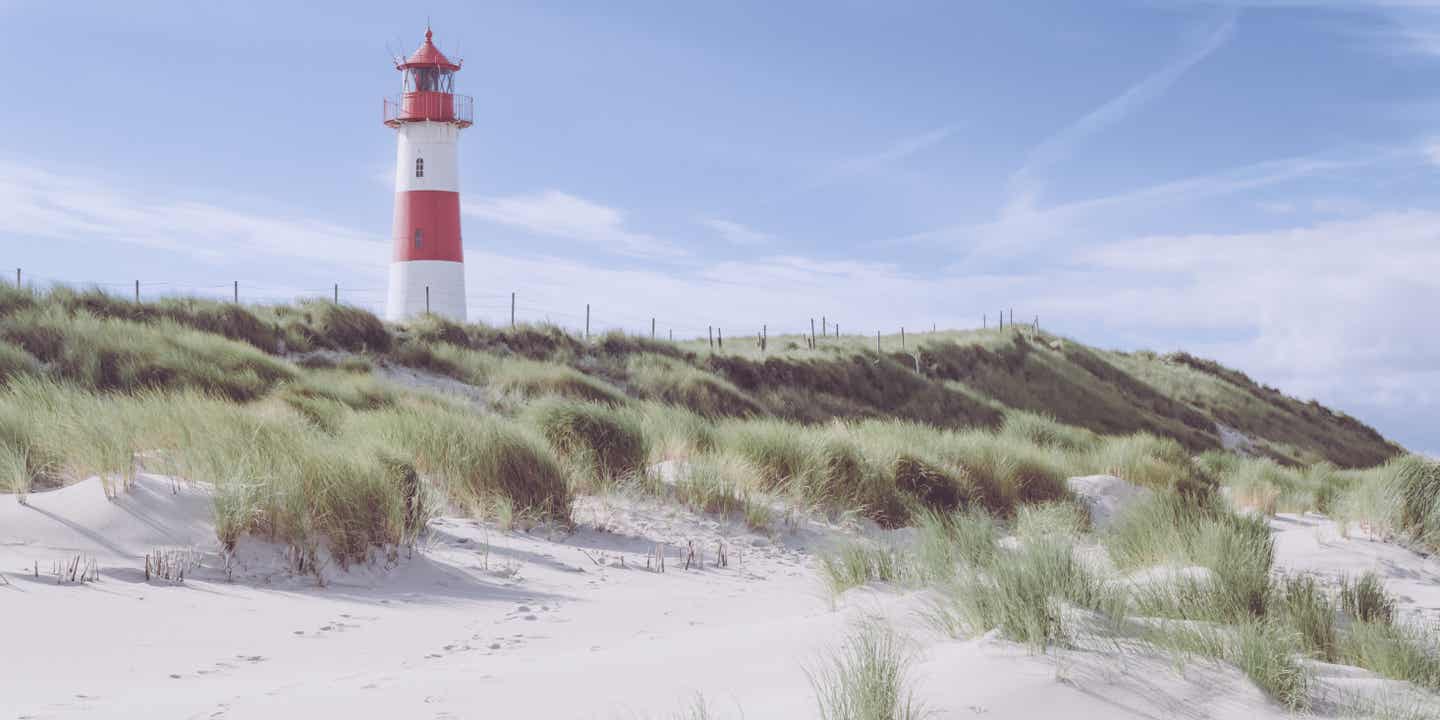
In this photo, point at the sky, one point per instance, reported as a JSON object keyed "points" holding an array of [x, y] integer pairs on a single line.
{"points": [[1253, 181]]}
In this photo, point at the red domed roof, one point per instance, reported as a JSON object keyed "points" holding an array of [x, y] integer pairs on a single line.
{"points": [[429, 56]]}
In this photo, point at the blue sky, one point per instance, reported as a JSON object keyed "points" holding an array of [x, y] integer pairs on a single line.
{"points": [[1253, 181]]}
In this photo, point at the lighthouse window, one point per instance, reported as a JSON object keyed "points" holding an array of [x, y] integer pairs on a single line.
{"points": [[425, 79], [419, 167], [419, 238], [429, 79]]}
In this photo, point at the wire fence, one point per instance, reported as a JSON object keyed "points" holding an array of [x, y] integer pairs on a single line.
{"points": [[500, 309]]}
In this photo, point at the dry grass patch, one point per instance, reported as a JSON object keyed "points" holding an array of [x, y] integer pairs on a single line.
{"points": [[116, 355], [602, 444], [476, 459], [673, 381]]}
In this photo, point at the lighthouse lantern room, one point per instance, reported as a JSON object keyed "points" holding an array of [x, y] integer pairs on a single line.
{"points": [[427, 271]]}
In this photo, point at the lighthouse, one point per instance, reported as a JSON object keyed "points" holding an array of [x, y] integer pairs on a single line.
{"points": [[427, 268]]}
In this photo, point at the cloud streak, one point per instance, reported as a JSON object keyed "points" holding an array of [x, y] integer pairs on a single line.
{"points": [[555, 214], [1031, 226], [39, 204], [736, 233], [1027, 183], [866, 164]]}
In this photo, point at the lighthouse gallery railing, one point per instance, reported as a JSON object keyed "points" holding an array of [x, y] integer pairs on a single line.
{"points": [[434, 106]]}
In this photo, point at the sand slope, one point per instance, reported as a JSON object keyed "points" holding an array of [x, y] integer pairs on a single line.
{"points": [[482, 623]]}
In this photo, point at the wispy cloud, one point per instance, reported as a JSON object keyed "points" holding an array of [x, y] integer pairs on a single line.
{"points": [[1027, 183], [556, 214], [1324, 307], [1430, 150], [736, 233], [1025, 226], [868, 163], [1278, 208], [899, 151], [40, 204]]}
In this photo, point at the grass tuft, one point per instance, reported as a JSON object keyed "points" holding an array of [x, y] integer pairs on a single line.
{"points": [[109, 355], [1365, 599], [859, 562], [1397, 651], [604, 445], [530, 379], [867, 677], [1305, 608], [675, 382], [1022, 592], [948, 542], [477, 459], [720, 484], [1265, 651]]}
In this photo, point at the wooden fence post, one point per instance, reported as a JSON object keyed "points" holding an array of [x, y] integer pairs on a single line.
{"points": [[720, 337], [652, 328], [902, 338], [877, 342], [137, 292], [237, 292], [812, 333], [711, 332], [427, 299], [337, 293], [512, 309], [587, 321]]}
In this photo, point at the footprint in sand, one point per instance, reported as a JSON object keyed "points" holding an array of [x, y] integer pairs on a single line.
{"points": [[332, 626], [222, 666], [528, 612], [459, 646], [505, 643]]}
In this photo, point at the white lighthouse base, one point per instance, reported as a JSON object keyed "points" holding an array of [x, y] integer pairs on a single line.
{"points": [[408, 281]]}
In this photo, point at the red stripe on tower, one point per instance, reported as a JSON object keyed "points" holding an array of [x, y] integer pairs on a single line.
{"points": [[427, 270], [427, 226]]}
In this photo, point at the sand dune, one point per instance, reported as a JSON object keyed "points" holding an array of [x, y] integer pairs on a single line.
{"points": [[546, 624]]}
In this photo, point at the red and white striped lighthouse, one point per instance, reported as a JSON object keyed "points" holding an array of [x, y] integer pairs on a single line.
{"points": [[427, 271]]}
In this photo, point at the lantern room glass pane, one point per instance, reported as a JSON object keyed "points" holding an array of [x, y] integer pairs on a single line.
{"points": [[429, 79]]}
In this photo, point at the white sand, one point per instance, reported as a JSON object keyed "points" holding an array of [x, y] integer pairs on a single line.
{"points": [[490, 624]]}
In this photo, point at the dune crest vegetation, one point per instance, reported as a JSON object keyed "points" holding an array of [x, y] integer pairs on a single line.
{"points": [[308, 420]]}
